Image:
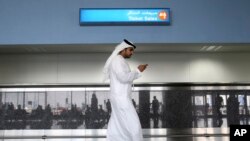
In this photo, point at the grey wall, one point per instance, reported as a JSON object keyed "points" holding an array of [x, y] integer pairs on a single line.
{"points": [[57, 22], [87, 68]]}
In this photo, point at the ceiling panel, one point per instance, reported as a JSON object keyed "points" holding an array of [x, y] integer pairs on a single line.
{"points": [[90, 48]]}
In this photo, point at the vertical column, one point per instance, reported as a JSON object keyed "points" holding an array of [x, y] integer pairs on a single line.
{"points": [[246, 105], [144, 108], [1, 115], [214, 112], [178, 109], [46, 98], [23, 100], [71, 99], [195, 121]]}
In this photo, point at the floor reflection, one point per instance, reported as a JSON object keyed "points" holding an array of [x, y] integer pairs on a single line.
{"points": [[190, 134], [145, 139]]}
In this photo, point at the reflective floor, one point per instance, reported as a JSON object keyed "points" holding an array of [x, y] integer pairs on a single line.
{"points": [[189, 134], [146, 139]]}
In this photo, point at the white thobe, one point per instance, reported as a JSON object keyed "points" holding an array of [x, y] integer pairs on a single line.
{"points": [[124, 124]]}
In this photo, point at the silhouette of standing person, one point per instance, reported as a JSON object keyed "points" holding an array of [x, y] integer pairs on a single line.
{"points": [[94, 103], [218, 106], [94, 107], [108, 106], [232, 110], [206, 114], [155, 106]]}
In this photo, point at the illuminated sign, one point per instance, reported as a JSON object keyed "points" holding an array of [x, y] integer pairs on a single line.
{"points": [[123, 16]]}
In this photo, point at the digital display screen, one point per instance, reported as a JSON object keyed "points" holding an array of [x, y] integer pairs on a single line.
{"points": [[123, 16]]}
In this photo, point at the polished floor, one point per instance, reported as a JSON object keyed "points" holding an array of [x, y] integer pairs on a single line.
{"points": [[146, 139], [190, 134]]}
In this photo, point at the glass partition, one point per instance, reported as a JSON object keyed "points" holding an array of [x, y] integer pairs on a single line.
{"points": [[158, 106], [89, 108]]}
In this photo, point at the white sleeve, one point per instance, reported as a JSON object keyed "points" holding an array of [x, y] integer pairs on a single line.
{"points": [[122, 74]]}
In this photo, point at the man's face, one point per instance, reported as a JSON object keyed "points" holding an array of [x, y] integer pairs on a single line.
{"points": [[128, 52]]}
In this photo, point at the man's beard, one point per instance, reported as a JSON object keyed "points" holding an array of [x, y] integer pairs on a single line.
{"points": [[129, 56]]}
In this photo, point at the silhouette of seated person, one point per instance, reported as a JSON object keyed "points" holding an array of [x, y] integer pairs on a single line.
{"points": [[20, 114], [47, 117], [37, 118], [74, 114], [39, 112], [77, 114], [42, 119], [99, 119], [20, 118], [9, 116], [102, 114], [71, 118], [88, 117], [10, 112]]}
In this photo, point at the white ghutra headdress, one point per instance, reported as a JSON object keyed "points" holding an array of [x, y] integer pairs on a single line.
{"points": [[124, 44]]}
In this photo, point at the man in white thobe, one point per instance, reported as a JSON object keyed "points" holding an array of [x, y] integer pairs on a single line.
{"points": [[124, 124]]}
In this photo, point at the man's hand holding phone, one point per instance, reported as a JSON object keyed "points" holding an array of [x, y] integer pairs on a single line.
{"points": [[142, 67]]}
